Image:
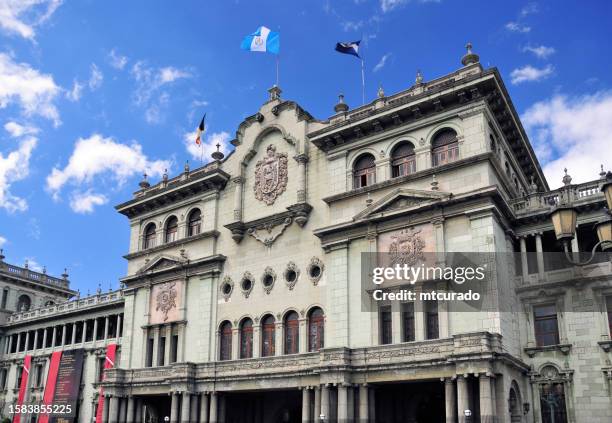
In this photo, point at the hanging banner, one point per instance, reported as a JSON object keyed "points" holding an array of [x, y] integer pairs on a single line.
{"points": [[67, 386], [109, 363], [49, 394], [25, 373]]}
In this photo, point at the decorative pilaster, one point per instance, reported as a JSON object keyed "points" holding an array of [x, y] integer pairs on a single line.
{"points": [[301, 159], [540, 256], [524, 263], [238, 184]]}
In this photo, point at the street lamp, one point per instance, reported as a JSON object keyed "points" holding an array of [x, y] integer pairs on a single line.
{"points": [[564, 222]]}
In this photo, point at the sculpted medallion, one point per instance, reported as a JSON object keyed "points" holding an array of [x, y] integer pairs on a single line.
{"points": [[407, 248], [166, 299], [270, 176]]}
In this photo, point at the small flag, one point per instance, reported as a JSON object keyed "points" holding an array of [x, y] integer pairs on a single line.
{"points": [[349, 48], [198, 139], [262, 40]]}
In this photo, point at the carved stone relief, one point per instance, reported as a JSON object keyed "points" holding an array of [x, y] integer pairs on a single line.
{"points": [[270, 176]]}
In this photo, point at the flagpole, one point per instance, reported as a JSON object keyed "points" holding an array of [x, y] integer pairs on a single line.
{"points": [[277, 62], [362, 82]]}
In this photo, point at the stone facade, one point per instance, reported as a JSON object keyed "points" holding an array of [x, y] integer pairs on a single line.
{"points": [[243, 301]]}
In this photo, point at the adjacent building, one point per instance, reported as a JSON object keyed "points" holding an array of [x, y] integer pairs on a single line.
{"points": [[243, 299]]}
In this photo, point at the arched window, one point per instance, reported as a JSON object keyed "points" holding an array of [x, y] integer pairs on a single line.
{"points": [[225, 332], [316, 332], [267, 336], [23, 303], [246, 338], [403, 160], [171, 229], [364, 171], [149, 236], [445, 147], [292, 333], [194, 222]]}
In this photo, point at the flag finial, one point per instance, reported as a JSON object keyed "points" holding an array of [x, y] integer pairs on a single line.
{"points": [[470, 57], [275, 92]]}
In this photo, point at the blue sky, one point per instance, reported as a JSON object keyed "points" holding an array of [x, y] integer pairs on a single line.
{"points": [[94, 93]]}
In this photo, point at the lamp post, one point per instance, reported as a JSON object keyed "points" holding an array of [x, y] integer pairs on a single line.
{"points": [[564, 222]]}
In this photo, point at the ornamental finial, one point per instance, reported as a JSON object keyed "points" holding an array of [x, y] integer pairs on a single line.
{"points": [[218, 155], [419, 77], [470, 57], [144, 184], [566, 178], [341, 106]]}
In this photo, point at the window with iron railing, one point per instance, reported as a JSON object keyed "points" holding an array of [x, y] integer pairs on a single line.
{"points": [[444, 147], [364, 171]]}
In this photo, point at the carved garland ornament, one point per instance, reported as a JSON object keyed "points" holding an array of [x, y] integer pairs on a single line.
{"points": [[270, 176], [166, 298]]}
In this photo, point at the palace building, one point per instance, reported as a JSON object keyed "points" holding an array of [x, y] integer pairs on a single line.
{"points": [[243, 297]]}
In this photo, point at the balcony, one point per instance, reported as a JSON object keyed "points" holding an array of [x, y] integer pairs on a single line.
{"points": [[31, 276]]}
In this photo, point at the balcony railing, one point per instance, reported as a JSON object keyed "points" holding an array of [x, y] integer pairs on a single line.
{"points": [[543, 201], [76, 304], [21, 272]]}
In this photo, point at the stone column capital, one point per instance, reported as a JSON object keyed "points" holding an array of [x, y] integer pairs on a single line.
{"points": [[301, 158]]}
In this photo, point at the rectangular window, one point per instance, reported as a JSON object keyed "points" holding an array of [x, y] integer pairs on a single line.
{"points": [[100, 329], [100, 375], [3, 376], [386, 325], [19, 374], [161, 351], [545, 325], [49, 342], [174, 349], [408, 322], [149, 356], [69, 329], [89, 330], [552, 403], [39, 375], [58, 336], [431, 320], [4, 298]]}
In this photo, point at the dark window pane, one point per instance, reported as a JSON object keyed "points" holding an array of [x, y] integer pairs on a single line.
{"points": [[408, 322], [386, 326], [552, 403]]}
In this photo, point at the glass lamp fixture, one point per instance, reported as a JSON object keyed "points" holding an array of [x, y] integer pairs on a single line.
{"points": [[564, 222], [604, 232]]}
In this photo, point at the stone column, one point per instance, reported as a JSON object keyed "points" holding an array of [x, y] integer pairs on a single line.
{"points": [[95, 330], [27, 340], [317, 403], [575, 248], [186, 407], [122, 409], [113, 410], [35, 339], [10, 343], [325, 401], [278, 338], [238, 181], [350, 401], [129, 418], [83, 335], [305, 405], [64, 331], [203, 408], [342, 403], [105, 409], [53, 337], [73, 340], [486, 399], [257, 340], [301, 159], [235, 343], [450, 401], [363, 403], [372, 404], [524, 262], [155, 352], [419, 315], [540, 256], [214, 403], [138, 417], [303, 336], [222, 409], [463, 402], [106, 327], [119, 322], [168, 344], [174, 408]]}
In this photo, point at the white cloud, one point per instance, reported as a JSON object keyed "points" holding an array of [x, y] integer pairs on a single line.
{"points": [[16, 130], [15, 167], [96, 77], [518, 27], [388, 5], [351, 26], [382, 62], [149, 85], [529, 73], [21, 17], [100, 161], [572, 132], [529, 9], [76, 92], [209, 145], [3, 241], [33, 264], [32, 91], [116, 60], [541, 52], [85, 202]]}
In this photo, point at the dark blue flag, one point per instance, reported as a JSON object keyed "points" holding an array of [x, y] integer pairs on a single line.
{"points": [[349, 48]]}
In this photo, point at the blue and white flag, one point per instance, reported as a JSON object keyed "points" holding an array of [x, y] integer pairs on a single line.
{"points": [[349, 48], [262, 40]]}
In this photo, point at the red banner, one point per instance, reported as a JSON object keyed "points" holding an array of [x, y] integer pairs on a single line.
{"points": [[109, 363], [22, 387], [51, 382]]}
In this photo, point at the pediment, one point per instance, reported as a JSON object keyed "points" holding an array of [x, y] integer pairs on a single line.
{"points": [[160, 262], [401, 199]]}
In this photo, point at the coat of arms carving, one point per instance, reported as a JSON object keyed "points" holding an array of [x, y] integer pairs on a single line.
{"points": [[407, 248], [270, 176], [166, 298]]}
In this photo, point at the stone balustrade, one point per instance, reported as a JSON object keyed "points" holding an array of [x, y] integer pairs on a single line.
{"points": [[38, 277]]}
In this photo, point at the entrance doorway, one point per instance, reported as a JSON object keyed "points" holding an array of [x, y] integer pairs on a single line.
{"points": [[156, 408], [418, 402], [263, 407]]}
